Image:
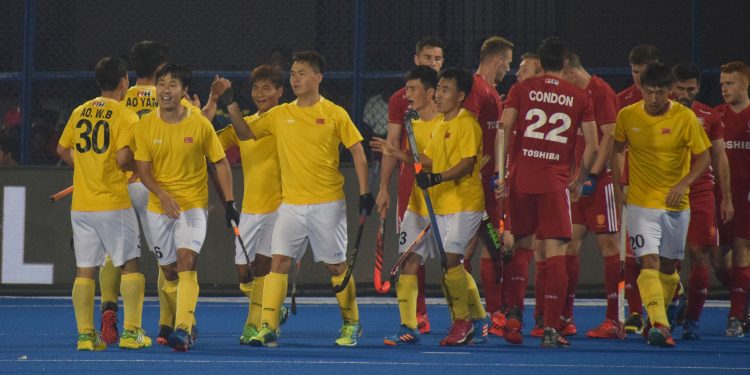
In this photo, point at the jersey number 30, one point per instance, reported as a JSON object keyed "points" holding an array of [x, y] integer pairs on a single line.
{"points": [[92, 136], [560, 120]]}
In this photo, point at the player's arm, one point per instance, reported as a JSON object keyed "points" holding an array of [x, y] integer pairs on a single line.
{"points": [[360, 168], [224, 174], [618, 165], [720, 164], [168, 204], [393, 153], [604, 151], [463, 168], [66, 154], [218, 86], [388, 165], [702, 160], [587, 160], [507, 123], [124, 158]]}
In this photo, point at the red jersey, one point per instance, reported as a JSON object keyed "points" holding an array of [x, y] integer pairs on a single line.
{"points": [[737, 138], [484, 102], [605, 102], [711, 123], [629, 96], [550, 111]]}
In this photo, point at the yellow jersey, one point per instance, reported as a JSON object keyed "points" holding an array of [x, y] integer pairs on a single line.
{"points": [[422, 135], [141, 99], [659, 151], [95, 131], [178, 153], [260, 170], [451, 142], [307, 140]]}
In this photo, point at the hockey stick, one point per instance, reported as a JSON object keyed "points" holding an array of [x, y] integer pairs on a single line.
{"points": [[406, 254], [413, 115], [242, 244], [623, 246], [375, 169], [61, 194], [380, 286], [295, 268]]}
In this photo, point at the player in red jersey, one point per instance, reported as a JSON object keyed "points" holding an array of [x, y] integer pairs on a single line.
{"points": [[429, 52], [596, 211], [703, 237], [735, 114], [640, 56], [549, 110], [484, 102]]}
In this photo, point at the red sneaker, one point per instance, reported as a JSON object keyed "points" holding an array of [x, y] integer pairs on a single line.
{"points": [[460, 333], [110, 335], [538, 330], [498, 322], [609, 329], [423, 324], [513, 325], [568, 328]]}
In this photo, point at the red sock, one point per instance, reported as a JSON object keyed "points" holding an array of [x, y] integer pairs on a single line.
{"points": [[540, 283], [421, 306], [632, 294], [504, 287], [738, 293], [555, 291], [573, 267], [725, 277], [611, 280], [518, 275], [491, 275], [697, 290]]}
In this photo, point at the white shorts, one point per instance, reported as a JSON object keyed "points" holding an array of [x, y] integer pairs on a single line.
{"points": [[101, 233], [411, 226], [322, 225], [256, 231], [458, 229], [139, 197], [186, 232], [654, 231]]}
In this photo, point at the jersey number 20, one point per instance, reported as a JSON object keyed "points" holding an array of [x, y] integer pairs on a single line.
{"points": [[92, 135], [560, 120]]}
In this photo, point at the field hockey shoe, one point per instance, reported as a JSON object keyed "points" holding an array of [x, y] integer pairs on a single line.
{"points": [[266, 337], [405, 335], [349, 334], [498, 322], [283, 315], [181, 340], [481, 330], [248, 333], [460, 333], [609, 329], [634, 323], [660, 335], [553, 339], [134, 339], [690, 330], [423, 323], [110, 333], [91, 341], [676, 310], [538, 330], [513, 325], [567, 327], [734, 328], [164, 332]]}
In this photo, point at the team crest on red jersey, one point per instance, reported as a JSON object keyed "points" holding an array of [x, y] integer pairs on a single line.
{"points": [[188, 139], [320, 121], [665, 131]]}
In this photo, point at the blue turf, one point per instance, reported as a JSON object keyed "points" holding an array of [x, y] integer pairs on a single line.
{"points": [[43, 330]]}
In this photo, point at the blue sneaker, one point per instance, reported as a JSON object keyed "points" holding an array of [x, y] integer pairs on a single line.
{"points": [[180, 340], [690, 330], [405, 335], [481, 329]]}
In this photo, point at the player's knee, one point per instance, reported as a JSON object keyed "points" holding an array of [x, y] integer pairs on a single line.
{"points": [[130, 266], [261, 265], [650, 261], [608, 244], [453, 259], [336, 269], [243, 273], [169, 271], [508, 240], [411, 266], [280, 263], [186, 260], [86, 272], [698, 256], [667, 266]]}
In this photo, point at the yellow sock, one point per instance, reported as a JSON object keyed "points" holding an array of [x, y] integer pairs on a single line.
{"points": [[132, 287], [109, 282], [170, 296], [476, 310], [407, 289], [347, 298], [652, 295], [187, 299], [83, 303], [166, 306], [247, 290], [669, 285], [256, 302], [458, 288], [274, 291]]}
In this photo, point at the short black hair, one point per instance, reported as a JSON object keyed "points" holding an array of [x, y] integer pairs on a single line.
{"points": [[643, 54], [313, 58], [464, 80], [551, 53], [269, 73], [657, 74], [425, 74], [179, 72], [146, 56], [109, 71], [12, 146], [687, 71], [429, 42]]}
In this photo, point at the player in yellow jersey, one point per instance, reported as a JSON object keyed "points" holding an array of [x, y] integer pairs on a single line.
{"points": [[172, 145], [308, 133], [661, 135], [421, 83], [260, 162], [96, 142]]}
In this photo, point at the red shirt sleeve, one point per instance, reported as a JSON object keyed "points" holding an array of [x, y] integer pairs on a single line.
{"points": [[397, 106], [512, 100]]}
